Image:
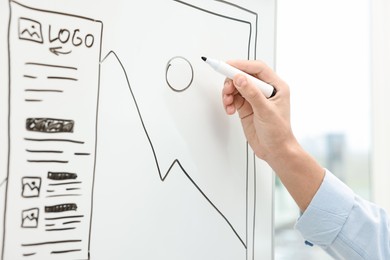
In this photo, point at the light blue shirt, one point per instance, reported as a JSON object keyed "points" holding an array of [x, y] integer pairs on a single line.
{"points": [[345, 225]]}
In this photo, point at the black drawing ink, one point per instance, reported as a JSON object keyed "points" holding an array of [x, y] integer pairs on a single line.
{"points": [[33, 100], [66, 217], [29, 29], [47, 161], [30, 218], [62, 78], [63, 195], [65, 251], [43, 151], [85, 154], [251, 55], [53, 140], [71, 222], [50, 53], [58, 50], [175, 162], [51, 65], [30, 76], [31, 187], [44, 90], [61, 208], [57, 176], [73, 36], [65, 183], [170, 77], [49, 125]]}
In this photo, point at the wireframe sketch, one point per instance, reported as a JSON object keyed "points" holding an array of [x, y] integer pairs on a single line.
{"points": [[48, 85], [174, 159], [90, 137]]}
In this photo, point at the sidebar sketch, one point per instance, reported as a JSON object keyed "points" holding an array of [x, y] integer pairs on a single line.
{"points": [[54, 82]]}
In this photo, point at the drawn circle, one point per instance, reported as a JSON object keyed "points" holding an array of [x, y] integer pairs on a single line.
{"points": [[179, 74]]}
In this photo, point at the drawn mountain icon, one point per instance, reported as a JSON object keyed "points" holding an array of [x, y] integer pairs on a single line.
{"points": [[30, 218], [30, 30], [31, 187]]}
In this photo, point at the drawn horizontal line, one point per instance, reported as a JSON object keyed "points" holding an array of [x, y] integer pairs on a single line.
{"points": [[33, 100], [71, 222], [29, 76], [72, 188], [73, 216], [29, 254], [53, 242], [43, 90], [82, 154], [54, 140], [43, 151], [62, 78], [49, 190], [64, 183], [59, 229], [50, 65], [65, 251], [49, 225], [47, 161], [63, 195]]}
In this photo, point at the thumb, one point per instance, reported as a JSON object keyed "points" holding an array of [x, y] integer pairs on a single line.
{"points": [[250, 92]]}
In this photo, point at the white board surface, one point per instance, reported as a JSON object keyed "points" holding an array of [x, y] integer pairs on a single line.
{"points": [[114, 142]]}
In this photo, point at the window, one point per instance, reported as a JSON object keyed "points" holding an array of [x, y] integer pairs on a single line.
{"points": [[323, 53]]}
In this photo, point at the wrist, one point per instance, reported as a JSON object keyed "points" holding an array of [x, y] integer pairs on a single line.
{"points": [[286, 151], [300, 173]]}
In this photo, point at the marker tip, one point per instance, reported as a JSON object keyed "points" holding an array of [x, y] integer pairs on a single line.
{"points": [[204, 58]]}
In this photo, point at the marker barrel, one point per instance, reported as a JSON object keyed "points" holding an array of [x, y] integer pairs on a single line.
{"points": [[230, 71]]}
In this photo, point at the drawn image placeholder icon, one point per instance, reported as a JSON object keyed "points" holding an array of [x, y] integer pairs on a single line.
{"points": [[30, 218], [31, 187], [30, 30]]}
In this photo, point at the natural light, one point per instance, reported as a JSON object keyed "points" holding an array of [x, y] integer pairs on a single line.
{"points": [[323, 53]]}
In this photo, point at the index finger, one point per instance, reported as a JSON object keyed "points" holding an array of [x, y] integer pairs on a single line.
{"points": [[258, 69]]}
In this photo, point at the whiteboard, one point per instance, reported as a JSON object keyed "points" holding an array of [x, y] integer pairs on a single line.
{"points": [[114, 142]]}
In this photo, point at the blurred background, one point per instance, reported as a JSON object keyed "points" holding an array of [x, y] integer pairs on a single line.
{"points": [[323, 53]]}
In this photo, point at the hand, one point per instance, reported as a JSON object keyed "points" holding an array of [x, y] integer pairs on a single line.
{"points": [[267, 127], [266, 122]]}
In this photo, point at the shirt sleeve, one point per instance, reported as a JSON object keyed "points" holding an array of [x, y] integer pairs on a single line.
{"points": [[345, 225]]}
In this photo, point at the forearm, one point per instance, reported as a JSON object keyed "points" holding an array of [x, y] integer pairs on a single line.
{"points": [[299, 172]]}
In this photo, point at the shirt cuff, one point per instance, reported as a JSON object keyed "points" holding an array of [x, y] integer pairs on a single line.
{"points": [[327, 212]]}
